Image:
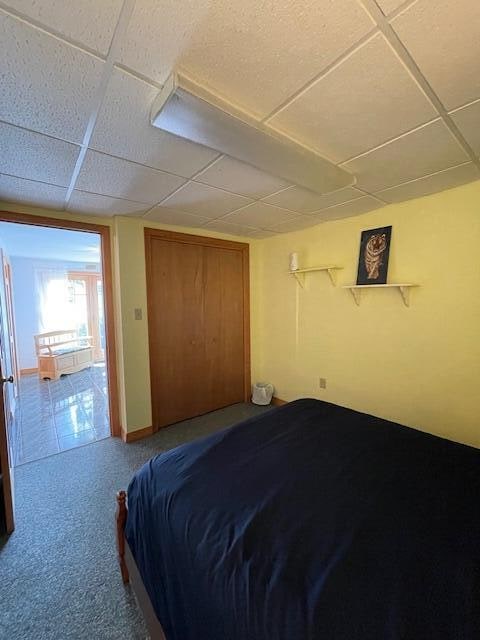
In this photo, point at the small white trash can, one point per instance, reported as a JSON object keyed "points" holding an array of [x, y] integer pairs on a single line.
{"points": [[262, 393]]}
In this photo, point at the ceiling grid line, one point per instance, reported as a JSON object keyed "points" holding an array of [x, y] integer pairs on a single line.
{"points": [[117, 39], [149, 210], [39, 133], [164, 200], [109, 155], [207, 166], [267, 204], [338, 204], [464, 106], [53, 33], [270, 195], [105, 195], [428, 175], [400, 9], [288, 136], [372, 195], [49, 184], [390, 140], [322, 74], [137, 75], [266, 198], [139, 164], [113, 143], [211, 223], [399, 48], [187, 182]]}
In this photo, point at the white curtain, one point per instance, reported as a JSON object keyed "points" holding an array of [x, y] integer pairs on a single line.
{"points": [[53, 296]]}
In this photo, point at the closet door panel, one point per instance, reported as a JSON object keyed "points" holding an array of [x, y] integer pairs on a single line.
{"points": [[176, 330], [224, 330]]}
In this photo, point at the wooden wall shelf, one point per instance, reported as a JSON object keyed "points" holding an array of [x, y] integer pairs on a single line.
{"points": [[300, 274], [403, 289]]}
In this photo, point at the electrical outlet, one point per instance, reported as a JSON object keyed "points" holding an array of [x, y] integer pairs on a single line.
{"points": [[138, 314], [322, 383]]}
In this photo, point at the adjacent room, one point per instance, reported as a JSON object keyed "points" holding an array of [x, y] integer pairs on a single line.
{"points": [[239, 319], [54, 327]]}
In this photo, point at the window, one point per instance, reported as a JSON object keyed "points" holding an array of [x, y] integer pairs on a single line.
{"points": [[86, 300]]}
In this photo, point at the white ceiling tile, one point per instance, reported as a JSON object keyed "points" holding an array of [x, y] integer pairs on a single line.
{"points": [[170, 216], [347, 209], [259, 214], [444, 39], [468, 121], [367, 100], [170, 26], [123, 179], [447, 179], [424, 151], [73, 20], [36, 157], [296, 224], [238, 177], [94, 204], [255, 54], [203, 200], [298, 199], [233, 229], [33, 193], [47, 85], [123, 129]]}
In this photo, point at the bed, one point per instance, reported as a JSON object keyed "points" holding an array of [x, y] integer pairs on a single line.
{"points": [[311, 521]]}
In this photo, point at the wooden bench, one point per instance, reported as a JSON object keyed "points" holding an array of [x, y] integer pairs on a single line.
{"points": [[60, 352]]}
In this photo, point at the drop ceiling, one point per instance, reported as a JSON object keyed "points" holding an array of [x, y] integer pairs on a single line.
{"points": [[387, 90]]}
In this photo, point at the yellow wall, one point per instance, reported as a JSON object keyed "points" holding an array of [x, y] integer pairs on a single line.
{"points": [[130, 251], [419, 366], [130, 293]]}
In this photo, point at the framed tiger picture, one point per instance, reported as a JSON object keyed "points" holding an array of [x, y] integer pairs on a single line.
{"points": [[373, 259]]}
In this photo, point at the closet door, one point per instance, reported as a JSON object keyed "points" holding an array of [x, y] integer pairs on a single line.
{"points": [[175, 321], [197, 292], [223, 321]]}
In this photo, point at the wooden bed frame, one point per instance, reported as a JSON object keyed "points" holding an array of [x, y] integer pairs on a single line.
{"points": [[130, 572]]}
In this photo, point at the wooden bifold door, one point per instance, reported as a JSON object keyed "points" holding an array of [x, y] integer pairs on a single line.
{"points": [[198, 322]]}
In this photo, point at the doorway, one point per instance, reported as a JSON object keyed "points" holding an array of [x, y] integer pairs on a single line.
{"points": [[57, 339]]}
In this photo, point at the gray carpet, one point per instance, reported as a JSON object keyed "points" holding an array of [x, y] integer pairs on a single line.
{"points": [[59, 574]]}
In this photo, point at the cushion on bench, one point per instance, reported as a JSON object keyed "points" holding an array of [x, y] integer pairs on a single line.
{"points": [[64, 350]]}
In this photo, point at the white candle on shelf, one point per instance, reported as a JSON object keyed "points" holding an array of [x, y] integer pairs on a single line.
{"points": [[294, 261]]}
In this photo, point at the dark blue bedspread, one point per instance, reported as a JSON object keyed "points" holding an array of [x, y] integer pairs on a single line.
{"points": [[311, 522]]}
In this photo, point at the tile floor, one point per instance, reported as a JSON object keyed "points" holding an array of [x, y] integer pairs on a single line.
{"points": [[55, 415]]}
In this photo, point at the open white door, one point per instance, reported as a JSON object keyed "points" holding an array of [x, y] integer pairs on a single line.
{"points": [[6, 416]]}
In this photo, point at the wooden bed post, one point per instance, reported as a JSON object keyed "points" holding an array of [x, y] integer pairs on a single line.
{"points": [[121, 519]]}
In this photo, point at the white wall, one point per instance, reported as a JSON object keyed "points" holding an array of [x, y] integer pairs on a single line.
{"points": [[26, 302]]}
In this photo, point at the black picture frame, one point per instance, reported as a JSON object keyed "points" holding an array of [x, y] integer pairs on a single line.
{"points": [[374, 254]]}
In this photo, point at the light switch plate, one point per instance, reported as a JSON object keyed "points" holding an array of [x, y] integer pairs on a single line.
{"points": [[138, 314]]}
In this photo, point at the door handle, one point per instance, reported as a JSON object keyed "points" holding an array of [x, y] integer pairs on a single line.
{"points": [[9, 379]]}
